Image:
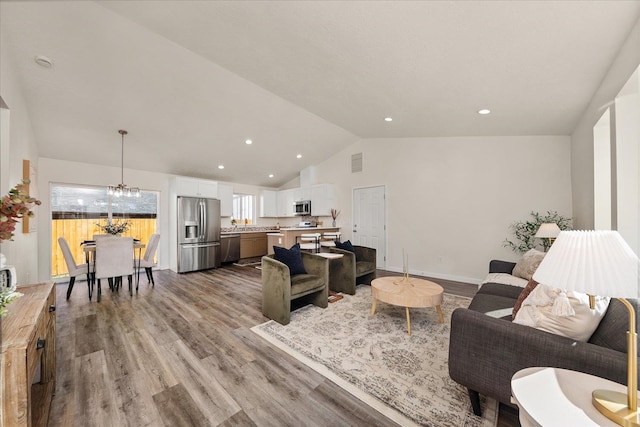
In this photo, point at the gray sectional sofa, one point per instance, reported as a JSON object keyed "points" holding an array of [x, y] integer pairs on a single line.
{"points": [[485, 351]]}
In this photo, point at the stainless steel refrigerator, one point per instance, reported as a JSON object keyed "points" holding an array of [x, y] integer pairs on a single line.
{"points": [[198, 234]]}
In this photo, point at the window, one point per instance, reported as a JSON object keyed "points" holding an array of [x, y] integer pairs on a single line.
{"points": [[617, 165], [77, 210], [243, 208], [602, 172]]}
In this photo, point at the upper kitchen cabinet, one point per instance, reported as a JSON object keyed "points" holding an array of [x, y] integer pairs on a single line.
{"points": [[225, 194], [195, 187], [300, 194], [285, 203], [321, 199], [269, 204]]}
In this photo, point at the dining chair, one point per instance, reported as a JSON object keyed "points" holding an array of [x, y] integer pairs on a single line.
{"points": [[310, 242], [329, 239], [147, 261], [113, 260], [74, 269]]}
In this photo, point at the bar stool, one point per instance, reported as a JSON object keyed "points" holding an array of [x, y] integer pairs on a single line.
{"points": [[310, 242], [329, 239]]}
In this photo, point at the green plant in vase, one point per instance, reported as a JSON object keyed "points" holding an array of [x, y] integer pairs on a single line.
{"points": [[114, 227], [525, 231]]}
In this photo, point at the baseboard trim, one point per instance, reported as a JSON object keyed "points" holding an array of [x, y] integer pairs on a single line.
{"points": [[434, 275]]}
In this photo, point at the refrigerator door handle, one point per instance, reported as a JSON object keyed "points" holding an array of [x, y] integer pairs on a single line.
{"points": [[198, 245], [203, 207]]}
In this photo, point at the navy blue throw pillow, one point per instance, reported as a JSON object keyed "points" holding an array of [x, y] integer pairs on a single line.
{"points": [[291, 257], [347, 246]]}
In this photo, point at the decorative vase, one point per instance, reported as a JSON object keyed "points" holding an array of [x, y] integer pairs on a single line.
{"points": [[3, 260], [333, 223]]}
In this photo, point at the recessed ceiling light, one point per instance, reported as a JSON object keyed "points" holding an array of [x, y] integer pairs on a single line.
{"points": [[220, 166], [484, 111], [271, 175], [388, 119], [248, 142], [299, 156], [43, 61]]}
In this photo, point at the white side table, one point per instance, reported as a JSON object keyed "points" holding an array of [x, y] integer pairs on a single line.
{"points": [[559, 397]]}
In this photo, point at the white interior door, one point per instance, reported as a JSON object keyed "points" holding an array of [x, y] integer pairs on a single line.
{"points": [[369, 220]]}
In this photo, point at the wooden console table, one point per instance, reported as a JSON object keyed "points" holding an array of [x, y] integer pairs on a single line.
{"points": [[28, 348]]}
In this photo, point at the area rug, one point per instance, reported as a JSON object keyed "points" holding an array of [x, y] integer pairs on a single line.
{"points": [[249, 262], [404, 377]]}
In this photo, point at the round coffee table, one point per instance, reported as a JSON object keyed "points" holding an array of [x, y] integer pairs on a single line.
{"points": [[407, 292]]}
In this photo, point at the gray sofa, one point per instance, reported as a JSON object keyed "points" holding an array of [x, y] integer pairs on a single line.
{"points": [[355, 267], [279, 287], [485, 352]]}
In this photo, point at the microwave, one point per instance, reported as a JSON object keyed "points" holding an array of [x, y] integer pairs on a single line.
{"points": [[302, 207]]}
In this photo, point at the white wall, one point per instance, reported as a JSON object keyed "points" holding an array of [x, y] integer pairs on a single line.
{"points": [[450, 201], [18, 144], [582, 175], [627, 108]]}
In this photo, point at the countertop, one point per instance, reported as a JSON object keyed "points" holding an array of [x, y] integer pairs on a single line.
{"points": [[307, 228], [223, 233], [242, 230]]}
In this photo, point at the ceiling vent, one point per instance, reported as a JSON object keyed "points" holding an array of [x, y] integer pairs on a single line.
{"points": [[356, 162]]}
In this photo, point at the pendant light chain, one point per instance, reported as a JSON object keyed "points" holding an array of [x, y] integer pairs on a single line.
{"points": [[122, 189]]}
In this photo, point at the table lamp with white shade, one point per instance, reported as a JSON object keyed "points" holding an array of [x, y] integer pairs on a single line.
{"points": [[600, 263], [549, 231]]}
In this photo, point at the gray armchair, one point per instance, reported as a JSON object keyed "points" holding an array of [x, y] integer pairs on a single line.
{"points": [[352, 269], [279, 287]]}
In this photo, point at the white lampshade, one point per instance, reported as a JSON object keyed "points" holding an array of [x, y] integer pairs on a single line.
{"points": [[548, 230], [595, 262]]}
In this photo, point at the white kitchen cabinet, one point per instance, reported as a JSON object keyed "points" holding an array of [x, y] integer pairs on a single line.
{"points": [[321, 199], [268, 204], [285, 203], [302, 193], [225, 194], [195, 187]]}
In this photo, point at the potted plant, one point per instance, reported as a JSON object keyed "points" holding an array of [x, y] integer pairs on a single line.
{"points": [[524, 231], [334, 215], [114, 227], [14, 206]]}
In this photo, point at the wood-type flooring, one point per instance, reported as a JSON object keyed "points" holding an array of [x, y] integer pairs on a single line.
{"points": [[181, 354]]}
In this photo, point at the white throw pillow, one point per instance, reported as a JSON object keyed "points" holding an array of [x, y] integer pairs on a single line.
{"points": [[536, 311], [528, 264], [505, 279]]}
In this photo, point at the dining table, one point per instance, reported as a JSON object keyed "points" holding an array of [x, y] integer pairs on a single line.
{"points": [[89, 248]]}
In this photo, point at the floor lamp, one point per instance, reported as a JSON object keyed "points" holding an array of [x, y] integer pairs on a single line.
{"points": [[600, 263]]}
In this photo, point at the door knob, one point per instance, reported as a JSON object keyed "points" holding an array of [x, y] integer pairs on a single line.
{"points": [[40, 343]]}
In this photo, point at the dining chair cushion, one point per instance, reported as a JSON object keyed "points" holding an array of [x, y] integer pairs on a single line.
{"points": [[147, 260], [73, 268], [113, 257], [292, 258]]}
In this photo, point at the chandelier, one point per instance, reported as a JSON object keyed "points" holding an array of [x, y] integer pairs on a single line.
{"points": [[121, 189]]}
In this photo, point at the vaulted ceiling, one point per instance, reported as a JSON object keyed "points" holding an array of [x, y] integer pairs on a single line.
{"points": [[192, 80]]}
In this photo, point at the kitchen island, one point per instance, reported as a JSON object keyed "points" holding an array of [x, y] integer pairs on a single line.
{"points": [[253, 241], [286, 237], [259, 241]]}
